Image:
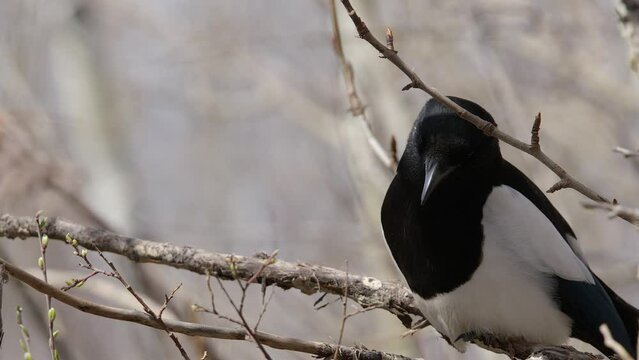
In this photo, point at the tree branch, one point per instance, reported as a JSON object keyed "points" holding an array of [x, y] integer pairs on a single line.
{"points": [[309, 279], [192, 329], [565, 179], [627, 153], [366, 291], [357, 108], [615, 210]]}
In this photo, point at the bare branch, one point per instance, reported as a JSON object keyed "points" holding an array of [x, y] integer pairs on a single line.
{"points": [[627, 153], [366, 291], [192, 329], [25, 342], [263, 311], [145, 306], [40, 222], [357, 109], [615, 210], [566, 180], [239, 310], [309, 279], [612, 344], [167, 300]]}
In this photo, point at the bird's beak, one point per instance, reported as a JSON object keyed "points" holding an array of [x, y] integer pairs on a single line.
{"points": [[434, 175]]}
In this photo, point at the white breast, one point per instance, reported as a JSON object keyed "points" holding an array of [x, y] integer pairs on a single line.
{"points": [[510, 293]]}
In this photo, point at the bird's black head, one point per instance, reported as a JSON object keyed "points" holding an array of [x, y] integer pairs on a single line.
{"points": [[442, 146]]}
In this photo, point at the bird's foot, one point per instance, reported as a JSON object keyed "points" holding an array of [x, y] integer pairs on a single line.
{"points": [[493, 342]]}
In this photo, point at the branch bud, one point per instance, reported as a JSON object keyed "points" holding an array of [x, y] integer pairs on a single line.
{"points": [[51, 315]]}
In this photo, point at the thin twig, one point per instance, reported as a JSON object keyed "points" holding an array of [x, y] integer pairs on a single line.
{"points": [[418, 326], [145, 306], [344, 313], [42, 263], [627, 153], [25, 342], [167, 300], [263, 311], [565, 179], [612, 344], [615, 210], [239, 310], [362, 311], [357, 108]]}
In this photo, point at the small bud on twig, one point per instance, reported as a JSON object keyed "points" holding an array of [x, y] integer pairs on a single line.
{"points": [[51, 314]]}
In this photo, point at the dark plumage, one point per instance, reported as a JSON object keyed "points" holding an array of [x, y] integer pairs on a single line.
{"points": [[482, 246]]}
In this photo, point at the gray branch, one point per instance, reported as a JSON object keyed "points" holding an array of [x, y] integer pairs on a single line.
{"points": [[308, 278]]}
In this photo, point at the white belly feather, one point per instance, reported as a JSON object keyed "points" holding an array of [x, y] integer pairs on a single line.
{"points": [[510, 293], [502, 298]]}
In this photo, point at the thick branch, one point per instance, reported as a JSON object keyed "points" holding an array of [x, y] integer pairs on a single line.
{"points": [[311, 347], [566, 180], [309, 279]]}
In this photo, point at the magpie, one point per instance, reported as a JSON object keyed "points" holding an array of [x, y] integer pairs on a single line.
{"points": [[483, 249]]}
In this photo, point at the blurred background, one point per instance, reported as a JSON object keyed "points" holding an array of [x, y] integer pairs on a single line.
{"points": [[224, 126]]}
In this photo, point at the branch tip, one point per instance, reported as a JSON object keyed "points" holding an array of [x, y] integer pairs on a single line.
{"points": [[561, 184], [534, 137], [409, 86]]}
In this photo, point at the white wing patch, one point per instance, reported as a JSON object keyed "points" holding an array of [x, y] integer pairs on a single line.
{"points": [[520, 228], [511, 292]]}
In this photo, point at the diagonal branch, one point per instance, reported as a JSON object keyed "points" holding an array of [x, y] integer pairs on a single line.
{"points": [[309, 279], [565, 179]]}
